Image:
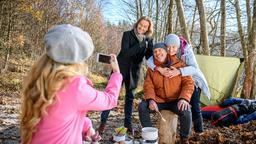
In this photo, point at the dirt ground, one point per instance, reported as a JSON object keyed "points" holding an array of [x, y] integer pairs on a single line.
{"points": [[9, 129]]}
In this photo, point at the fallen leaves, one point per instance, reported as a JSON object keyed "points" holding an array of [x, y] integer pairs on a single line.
{"points": [[10, 108]]}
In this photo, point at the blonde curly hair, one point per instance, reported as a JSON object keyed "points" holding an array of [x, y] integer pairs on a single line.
{"points": [[39, 87]]}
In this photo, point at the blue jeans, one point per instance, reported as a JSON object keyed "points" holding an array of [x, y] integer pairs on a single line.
{"points": [[184, 116], [128, 108], [196, 111]]}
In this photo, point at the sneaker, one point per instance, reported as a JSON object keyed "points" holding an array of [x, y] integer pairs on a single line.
{"points": [[102, 128]]}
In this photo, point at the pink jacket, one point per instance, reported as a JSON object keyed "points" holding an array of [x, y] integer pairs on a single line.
{"points": [[66, 119]]}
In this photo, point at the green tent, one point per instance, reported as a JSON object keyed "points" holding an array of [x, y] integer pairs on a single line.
{"points": [[220, 73]]}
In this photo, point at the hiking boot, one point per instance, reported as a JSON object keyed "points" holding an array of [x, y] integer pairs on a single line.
{"points": [[198, 125], [102, 128], [184, 141]]}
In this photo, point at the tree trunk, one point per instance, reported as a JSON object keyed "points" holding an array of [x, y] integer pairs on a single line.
{"points": [[254, 81], [250, 65], [249, 16], [203, 28], [150, 8], [182, 20], [176, 23], [214, 24], [1, 15], [240, 31], [170, 16], [167, 129], [156, 20], [223, 28], [140, 8], [193, 24], [248, 83], [8, 47], [137, 9], [163, 25]]}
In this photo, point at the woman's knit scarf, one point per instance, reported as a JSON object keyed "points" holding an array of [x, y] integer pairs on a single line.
{"points": [[140, 37]]}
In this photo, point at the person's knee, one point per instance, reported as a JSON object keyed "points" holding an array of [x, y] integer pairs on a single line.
{"points": [[185, 113]]}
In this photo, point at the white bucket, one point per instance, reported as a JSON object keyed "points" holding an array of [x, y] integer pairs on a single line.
{"points": [[149, 133], [118, 138]]}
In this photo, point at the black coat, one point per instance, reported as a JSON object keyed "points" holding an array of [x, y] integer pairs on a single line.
{"points": [[131, 56]]}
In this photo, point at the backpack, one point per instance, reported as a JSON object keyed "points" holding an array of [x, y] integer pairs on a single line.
{"points": [[225, 117]]}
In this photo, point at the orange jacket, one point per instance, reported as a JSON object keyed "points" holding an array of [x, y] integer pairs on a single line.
{"points": [[163, 89]]}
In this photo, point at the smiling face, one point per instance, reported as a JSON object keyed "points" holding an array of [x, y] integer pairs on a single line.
{"points": [[172, 49], [142, 26], [160, 54]]}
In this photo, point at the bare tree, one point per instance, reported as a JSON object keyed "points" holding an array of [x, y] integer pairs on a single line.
{"points": [[150, 5], [163, 19], [183, 25], [249, 16], [156, 20], [240, 30], [223, 28], [140, 8], [254, 82], [203, 27], [9, 8], [248, 90], [170, 17], [193, 23], [213, 21]]}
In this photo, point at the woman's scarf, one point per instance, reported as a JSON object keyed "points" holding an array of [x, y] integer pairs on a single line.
{"points": [[140, 37]]}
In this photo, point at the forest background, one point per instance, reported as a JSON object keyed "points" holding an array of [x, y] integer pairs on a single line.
{"points": [[224, 28], [213, 27]]}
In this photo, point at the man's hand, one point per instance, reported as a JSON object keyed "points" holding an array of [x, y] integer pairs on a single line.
{"points": [[183, 105], [153, 105]]}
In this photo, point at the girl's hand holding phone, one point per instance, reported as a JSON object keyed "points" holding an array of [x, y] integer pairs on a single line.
{"points": [[114, 63]]}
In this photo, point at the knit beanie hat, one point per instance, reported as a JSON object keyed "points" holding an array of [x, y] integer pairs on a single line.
{"points": [[68, 44], [159, 45], [172, 39]]}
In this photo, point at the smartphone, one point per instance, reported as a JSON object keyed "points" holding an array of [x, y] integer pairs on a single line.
{"points": [[103, 58]]}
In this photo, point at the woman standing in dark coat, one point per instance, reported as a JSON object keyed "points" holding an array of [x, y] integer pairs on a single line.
{"points": [[136, 44]]}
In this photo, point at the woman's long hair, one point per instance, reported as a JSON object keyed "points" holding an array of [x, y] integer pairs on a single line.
{"points": [[44, 80], [149, 32]]}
